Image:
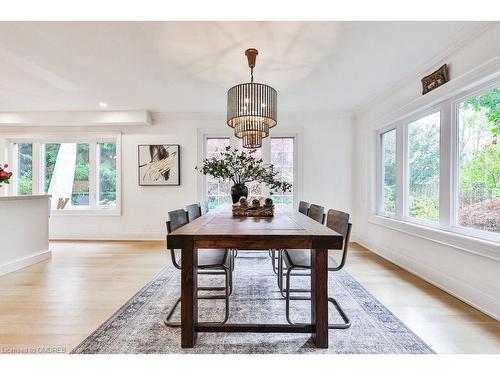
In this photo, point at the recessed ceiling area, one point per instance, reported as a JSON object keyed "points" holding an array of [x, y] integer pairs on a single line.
{"points": [[189, 66]]}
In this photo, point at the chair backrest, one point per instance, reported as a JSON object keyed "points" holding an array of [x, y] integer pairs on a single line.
{"points": [[178, 218], [339, 222], [317, 213], [203, 207], [193, 211], [303, 207]]}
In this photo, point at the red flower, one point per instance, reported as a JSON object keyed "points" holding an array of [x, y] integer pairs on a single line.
{"points": [[6, 165]]}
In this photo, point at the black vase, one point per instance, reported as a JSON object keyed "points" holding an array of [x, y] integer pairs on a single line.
{"points": [[237, 191]]}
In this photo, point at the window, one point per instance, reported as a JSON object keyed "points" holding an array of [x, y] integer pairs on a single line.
{"points": [[423, 167], [217, 192], [278, 150], [66, 173], [388, 142], [479, 162], [107, 174], [282, 155], [24, 168], [448, 175], [81, 176]]}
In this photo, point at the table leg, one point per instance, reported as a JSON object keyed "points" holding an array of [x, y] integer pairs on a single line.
{"points": [[319, 297], [189, 293]]}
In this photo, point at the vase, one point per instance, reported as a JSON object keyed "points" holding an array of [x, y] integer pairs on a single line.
{"points": [[237, 191]]}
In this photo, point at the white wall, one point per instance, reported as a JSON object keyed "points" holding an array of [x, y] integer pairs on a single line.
{"points": [[324, 148], [25, 220], [460, 269]]}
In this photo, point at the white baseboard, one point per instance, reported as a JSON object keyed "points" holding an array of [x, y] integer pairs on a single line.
{"points": [[490, 305], [24, 262], [130, 236]]}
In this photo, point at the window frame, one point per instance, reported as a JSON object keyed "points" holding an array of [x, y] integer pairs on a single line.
{"points": [[455, 167], [204, 134], [381, 175], [449, 168], [406, 164], [38, 140]]}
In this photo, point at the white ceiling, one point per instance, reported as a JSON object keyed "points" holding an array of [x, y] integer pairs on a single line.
{"points": [[188, 66]]}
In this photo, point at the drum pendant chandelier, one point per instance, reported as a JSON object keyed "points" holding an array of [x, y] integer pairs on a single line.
{"points": [[251, 108]]}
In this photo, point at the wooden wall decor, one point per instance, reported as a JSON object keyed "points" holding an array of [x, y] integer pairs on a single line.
{"points": [[435, 79]]}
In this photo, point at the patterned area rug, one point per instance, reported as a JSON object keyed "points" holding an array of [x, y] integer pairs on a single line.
{"points": [[137, 327]]}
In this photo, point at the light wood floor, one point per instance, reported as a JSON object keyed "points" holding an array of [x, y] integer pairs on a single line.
{"points": [[57, 303]]}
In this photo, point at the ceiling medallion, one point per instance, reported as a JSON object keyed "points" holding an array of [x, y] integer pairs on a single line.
{"points": [[251, 108]]}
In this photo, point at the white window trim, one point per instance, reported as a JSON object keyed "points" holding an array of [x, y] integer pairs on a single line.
{"points": [[449, 230], [37, 139], [380, 174], [204, 134]]}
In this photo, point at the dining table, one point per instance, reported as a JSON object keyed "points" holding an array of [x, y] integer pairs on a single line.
{"points": [[287, 229]]}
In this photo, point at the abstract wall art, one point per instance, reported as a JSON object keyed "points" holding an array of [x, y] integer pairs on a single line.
{"points": [[159, 165]]}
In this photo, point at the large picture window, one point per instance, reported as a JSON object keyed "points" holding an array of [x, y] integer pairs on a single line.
{"points": [[479, 161], [24, 162], [66, 173], [278, 150], [79, 175], [218, 192], [282, 156], [450, 168], [423, 167]]}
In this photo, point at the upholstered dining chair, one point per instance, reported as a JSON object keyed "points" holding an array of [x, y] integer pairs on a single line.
{"points": [[303, 207], [273, 254], [301, 260], [315, 212], [193, 211], [210, 262]]}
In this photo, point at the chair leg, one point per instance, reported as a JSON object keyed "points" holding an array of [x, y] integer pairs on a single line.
{"points": [[274, 259], [333, 301], [168, 316], [287, 292], [228, 291], [343, 315]]}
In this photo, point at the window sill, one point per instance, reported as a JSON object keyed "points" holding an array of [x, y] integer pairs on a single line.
{"points": [[87, 212], [458, 241]]}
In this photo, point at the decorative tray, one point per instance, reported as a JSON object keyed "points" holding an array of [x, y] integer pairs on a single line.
{"points": [[257, 209]]}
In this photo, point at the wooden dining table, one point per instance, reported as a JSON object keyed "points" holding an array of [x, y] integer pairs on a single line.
{"points": [[287, 229]]}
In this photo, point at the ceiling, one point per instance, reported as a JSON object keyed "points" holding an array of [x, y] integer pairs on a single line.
{"points": [[188, 66]]}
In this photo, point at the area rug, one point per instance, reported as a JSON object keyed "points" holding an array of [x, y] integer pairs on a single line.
{"points": [[137, 327]]}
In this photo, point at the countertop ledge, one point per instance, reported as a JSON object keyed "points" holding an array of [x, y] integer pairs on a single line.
{"points": [[24, 197]]}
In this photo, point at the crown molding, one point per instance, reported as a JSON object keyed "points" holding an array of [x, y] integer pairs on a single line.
{"points": [[465, 38]]}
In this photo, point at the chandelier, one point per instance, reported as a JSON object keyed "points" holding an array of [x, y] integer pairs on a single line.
{"points": [[251, 108]]}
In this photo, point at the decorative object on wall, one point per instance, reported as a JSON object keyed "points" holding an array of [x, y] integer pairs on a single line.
{"points": [[251, 108], [159, 165], [4, 175], [435, 79], [240, 168]]}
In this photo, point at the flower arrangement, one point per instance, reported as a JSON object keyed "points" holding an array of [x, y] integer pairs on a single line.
{"points": [[4, 175], [242, 167]]}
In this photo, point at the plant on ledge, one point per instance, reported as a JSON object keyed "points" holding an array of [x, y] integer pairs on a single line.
{"points": [[4, 175], [240, 168]]}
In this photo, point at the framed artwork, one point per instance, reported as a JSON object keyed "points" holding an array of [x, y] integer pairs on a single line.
{"points": [[159, 165], [435, 79]]}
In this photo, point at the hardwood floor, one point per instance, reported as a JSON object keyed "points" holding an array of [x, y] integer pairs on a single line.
{"points": [[57, 303]]}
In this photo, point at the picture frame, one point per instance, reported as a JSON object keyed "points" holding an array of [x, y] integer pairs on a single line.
{"points": [[435, 79], [159, 165]]}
